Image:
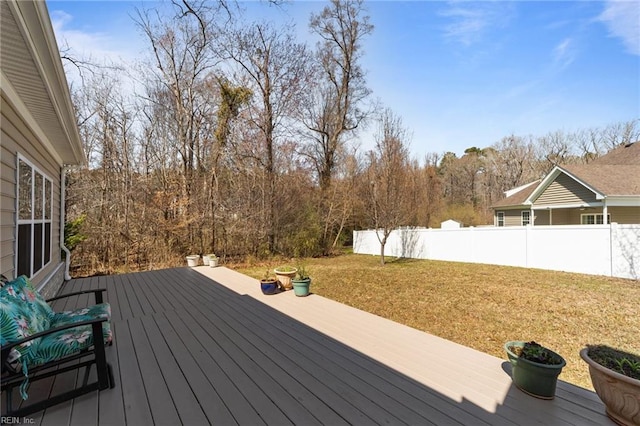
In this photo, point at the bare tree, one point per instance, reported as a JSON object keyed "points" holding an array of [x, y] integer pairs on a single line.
{"points": [[275, 67], [388, 190], [182, 96], [335, 107]]}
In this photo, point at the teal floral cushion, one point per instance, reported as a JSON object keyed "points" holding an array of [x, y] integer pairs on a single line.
{"points": [[22, 302], [63, 343], [102, 310], [23, 312]]}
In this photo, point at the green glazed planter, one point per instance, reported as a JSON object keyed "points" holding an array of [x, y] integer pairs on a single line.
{"points": [[533, 378], [301, 287]]}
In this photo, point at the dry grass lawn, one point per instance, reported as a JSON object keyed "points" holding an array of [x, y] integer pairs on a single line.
{"points": [[483, 306]]}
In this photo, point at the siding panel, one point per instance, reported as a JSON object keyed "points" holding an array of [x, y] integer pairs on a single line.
{"points": [[16, 139], [625, 215], [513, 218], [541, 217], [565, 190]]}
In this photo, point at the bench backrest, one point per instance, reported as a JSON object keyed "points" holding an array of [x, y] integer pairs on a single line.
{"points": [[24, 311]]}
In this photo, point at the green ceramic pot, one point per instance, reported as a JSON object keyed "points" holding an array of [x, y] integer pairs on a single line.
{"points": [[536, 379], [301, 287]]}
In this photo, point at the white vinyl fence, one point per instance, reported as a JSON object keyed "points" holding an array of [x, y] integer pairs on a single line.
{"points": [[611, 250]]}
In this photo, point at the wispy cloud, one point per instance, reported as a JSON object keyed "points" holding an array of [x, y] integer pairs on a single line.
{"points": [[90, 49], [94, 46], [622, 18], [470, 21], [564, 53]]}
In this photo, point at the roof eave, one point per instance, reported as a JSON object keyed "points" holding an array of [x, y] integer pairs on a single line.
{"points": [[33, 18]]}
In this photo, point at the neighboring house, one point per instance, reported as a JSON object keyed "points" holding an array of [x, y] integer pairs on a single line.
{"points": [[608, 187], [39, 137]]}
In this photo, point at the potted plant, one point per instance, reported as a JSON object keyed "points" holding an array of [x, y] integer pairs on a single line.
{"points": [[615, 375], [192, 259], [284, 274], [534, 368], [268, 284], [213, 260], [301, 282]]}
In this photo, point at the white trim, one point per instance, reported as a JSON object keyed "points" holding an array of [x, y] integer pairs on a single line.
{"points": [[32, 221], [67, 252], [512, 191], [551, 177], [595, 218], [623, 201], [522, 217], [565, 206], [12, 96]]}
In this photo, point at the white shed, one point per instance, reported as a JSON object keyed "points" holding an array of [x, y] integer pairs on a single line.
{"points": [[450, 224]]}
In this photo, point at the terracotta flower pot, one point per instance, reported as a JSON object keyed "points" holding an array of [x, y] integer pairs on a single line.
{"points": [[619, 393], [285, 276]]}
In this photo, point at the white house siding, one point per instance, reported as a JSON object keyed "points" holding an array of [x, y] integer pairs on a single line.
{"points": [[565, 190], [17, 138], [609, 250]]}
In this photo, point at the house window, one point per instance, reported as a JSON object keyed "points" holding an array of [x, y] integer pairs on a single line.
{"points": [[526, 217], [500, 218], [593, 219], [35, 192]]}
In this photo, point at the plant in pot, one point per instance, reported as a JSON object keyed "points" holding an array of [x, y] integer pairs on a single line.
{"points": [[268, 284], [301, 282], [534, 368], [192, 259], [284, 274], [213, 260], [615, 375]]}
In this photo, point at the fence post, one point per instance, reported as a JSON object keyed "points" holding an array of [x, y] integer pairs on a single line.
{"points": [[613, 228], [527, 240]]}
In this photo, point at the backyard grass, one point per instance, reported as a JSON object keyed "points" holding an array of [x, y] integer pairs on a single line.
{"points": [[483, 306]]}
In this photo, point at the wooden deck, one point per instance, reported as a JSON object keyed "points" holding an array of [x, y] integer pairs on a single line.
{"points": [[204, 346]]}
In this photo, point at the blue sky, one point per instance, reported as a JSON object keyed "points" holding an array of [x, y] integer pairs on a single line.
{"points": [[461, 73]]}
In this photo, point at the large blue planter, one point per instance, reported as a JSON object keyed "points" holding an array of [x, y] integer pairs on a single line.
{"points": [[269, 286]]}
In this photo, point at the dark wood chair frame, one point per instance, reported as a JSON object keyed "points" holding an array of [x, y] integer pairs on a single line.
{"points": [[104, 371]]}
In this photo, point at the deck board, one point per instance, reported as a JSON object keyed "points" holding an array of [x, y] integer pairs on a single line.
{"points": [[160, 400], [134, 395], [204, 346], [183, 399]]}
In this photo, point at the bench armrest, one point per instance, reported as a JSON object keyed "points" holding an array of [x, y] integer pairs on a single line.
{"points": [[97, 292]]}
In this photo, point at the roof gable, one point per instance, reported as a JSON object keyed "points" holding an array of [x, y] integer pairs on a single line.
{"points": [[567, 181], [616, 174]]}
